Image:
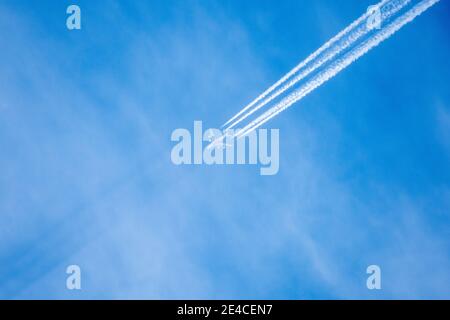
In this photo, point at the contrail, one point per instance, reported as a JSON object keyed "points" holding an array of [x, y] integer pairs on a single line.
{"points": [[310, 58], [337, 54], [338, 65], [328, 51]]}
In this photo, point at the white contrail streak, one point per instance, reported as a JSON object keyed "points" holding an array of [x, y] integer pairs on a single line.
{"points": [[345, 39], [338, 65], [301, 65]]}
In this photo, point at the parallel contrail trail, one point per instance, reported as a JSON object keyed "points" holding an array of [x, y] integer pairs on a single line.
{"points": [[329, 50], [310, 58], [337, 54], [339, 65]]}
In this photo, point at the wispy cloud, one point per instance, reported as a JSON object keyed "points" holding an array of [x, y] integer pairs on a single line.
{"points": [[87, 177]]}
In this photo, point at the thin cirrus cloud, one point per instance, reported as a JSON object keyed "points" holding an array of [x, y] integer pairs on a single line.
{"points": [[88, 179]]}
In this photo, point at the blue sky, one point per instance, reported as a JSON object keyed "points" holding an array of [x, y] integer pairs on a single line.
{"points": [[85, 124]]}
